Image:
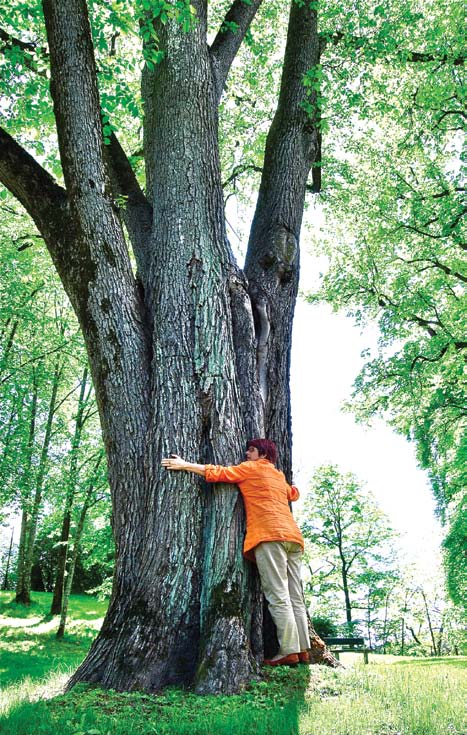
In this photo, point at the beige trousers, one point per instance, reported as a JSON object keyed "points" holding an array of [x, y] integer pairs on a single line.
{"points": [[279, 565]]}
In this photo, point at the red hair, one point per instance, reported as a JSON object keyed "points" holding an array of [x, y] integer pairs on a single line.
{"points": [[265, 448]]}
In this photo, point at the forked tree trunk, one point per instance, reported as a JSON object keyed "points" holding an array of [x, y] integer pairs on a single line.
{"points": [[173, 352]]}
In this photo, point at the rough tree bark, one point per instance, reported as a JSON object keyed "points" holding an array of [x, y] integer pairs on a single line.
{"points": [[187, 356]]}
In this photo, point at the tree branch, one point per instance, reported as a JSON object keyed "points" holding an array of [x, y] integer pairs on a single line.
{"points": [[459, 346], [239, 170], [359, 42], [97, 272], [28, 49], [272, 262], [435, 263], [33, 186], [10, 41], [229, 38]]}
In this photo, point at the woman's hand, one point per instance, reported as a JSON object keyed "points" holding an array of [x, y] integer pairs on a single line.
{"points": [[174, 462]]}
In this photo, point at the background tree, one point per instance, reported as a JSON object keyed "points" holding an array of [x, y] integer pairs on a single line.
{"points": [[41, 358], [350, 545]]}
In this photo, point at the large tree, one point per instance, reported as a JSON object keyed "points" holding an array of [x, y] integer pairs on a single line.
{"points": [[188, 353]]}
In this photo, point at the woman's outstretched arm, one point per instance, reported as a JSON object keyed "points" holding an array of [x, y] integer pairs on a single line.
{"points": [[174, 462]]}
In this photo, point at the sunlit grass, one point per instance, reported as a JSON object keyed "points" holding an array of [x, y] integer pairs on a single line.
{"points": [[30, 654], [391, 696], [403, 698]]}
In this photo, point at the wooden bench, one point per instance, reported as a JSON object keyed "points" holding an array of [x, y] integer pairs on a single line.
{"points": [[347, 645]]}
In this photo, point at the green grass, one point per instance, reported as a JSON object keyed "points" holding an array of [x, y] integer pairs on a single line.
{"points": [[400, 698], [28, 647], [390, 696]]}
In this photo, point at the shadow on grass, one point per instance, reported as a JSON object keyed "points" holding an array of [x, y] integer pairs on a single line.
{"points": [[458, 662], [269, 707], [36, 657], [12, 609]]}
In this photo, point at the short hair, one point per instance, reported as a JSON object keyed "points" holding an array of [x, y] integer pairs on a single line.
{"points": [[265, 448]]}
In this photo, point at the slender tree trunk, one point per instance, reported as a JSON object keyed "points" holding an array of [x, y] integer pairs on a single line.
{"points": [[430, 626], [7, 567], [414, 636], [26, 500], [385, 623], [345, 587], [368, 622], [23, 592], [68, 577], [440, 637], [71, 483], [14, 421], [9, 344]]}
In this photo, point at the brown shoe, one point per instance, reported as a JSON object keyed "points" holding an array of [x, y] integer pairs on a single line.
{"points": [[289, 660], [304, 657]]}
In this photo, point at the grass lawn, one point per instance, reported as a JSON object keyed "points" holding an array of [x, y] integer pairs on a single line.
{"points": [[391, 696]]}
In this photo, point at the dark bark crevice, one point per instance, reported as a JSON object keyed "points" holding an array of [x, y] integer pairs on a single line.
{"points": [[135, 210]]}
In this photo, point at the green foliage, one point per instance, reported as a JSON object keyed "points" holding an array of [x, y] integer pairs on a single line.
{"points": [[394, 203], [350, 545], [38, 333], [325, 627], [455, 545]]}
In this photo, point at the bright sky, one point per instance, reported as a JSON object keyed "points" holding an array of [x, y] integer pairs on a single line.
{"points": [[326, 357]]}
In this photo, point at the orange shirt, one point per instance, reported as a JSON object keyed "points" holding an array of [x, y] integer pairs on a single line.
{"points": [[265, 494]]}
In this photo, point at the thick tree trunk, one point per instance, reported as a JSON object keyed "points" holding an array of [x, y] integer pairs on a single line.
{"points": [[174, 363], [196, 621]]}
